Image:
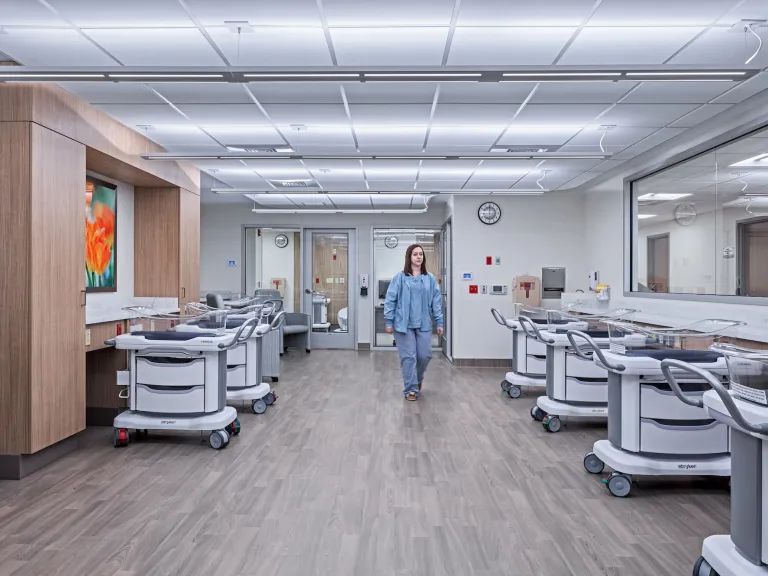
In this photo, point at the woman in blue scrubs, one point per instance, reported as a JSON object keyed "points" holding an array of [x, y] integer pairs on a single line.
{"points": [[413, 302]]}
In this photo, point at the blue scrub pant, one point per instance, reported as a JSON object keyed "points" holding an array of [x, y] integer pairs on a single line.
{"points": [[415, 349]]}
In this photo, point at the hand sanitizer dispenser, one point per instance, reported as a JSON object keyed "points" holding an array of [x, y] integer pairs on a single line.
{"points": [[363, 284]]}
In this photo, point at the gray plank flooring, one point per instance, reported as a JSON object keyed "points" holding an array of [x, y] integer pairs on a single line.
{"points": [[343, 477]]}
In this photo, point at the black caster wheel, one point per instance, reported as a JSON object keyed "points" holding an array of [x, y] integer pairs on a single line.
{"points": [[218, 439], [514, 391], [142, 434], [120, 437], [505, 385], [259, 406], [552, 424], [702, 568], [593, 464], [537, 413], [619, 484], [308, 350], [270, 398], [275, 379], [234, 428]]}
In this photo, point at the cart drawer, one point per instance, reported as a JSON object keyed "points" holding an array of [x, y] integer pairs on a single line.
{"points": [[660, 404], [170, 371], [536, 365], [536, 347], [707, 438], [188, 400], [580, 368], [236, 377], [583, 391], [236, 356]]}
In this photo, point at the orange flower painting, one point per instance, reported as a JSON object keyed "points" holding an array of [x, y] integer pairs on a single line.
{"points": [[100, 236]]}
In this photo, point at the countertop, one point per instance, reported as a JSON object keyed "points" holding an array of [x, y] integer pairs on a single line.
{"points": [[112, 311]]}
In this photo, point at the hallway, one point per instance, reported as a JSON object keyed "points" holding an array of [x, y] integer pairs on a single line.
{"points": [[343, 477]]}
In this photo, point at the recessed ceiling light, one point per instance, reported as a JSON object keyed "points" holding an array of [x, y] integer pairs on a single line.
{"points": [[662, 196]]}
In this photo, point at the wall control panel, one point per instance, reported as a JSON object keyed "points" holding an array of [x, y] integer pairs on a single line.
{"points": [[498, 289]]}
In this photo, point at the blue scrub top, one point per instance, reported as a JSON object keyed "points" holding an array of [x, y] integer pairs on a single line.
{"points": [[417, 301]]}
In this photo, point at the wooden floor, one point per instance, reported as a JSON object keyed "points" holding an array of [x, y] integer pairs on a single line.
{"points": [[343, 477]]}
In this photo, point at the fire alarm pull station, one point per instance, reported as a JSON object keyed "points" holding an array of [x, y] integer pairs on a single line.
{"points": [[527, 290], [473, 288], [489, 260]]}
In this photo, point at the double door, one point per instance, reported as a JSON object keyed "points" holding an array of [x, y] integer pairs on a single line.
{"points": [[330, 286], [445, 287]]}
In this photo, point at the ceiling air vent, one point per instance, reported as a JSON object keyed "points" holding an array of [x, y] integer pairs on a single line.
{"points": [[259, 148], [524, 149], [294, 183]]}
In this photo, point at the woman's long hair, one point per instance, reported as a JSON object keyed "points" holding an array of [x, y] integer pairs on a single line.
{"points": [[407, 269]]}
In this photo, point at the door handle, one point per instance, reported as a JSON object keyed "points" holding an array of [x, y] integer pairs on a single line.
{"points": [[307, 291], [82, 303], [183, 292]]}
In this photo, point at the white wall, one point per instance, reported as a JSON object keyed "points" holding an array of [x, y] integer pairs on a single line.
{"points": [[534, 232], [124, 233], [221, 240]]}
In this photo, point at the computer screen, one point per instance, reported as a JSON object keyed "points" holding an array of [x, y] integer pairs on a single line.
{"points": [[383, 287]]}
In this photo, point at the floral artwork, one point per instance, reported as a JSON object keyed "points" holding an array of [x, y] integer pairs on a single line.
{"points": [[100, 253]]}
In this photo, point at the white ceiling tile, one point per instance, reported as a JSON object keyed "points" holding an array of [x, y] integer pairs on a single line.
{"points": [[473, 114], [146, 114], [242, 134], [499, 184], [578, 181], [391, 92], [447, 169], [616, 139], [279, 169], [389, 114], [131, 13], [617, 46], [744, 90], [317, 139], [178, 134], [464, 136], [677, 92], [390, 200], [651, 141], [721, 47], [111, 93], [273, 200], [392, 185], [224, 113], [308, 114], [659, 12], [389, 46], [296, 92], [569, 114], [580, 92], [700, 115], [412, 136], [26, 13], [261, 12], [374, 147], [157, 46], [274, 46], [485, 92], [246, 179], [439, 185], [389, 13], [223, 166], [649, 115], [196, 149], [504, 169], [532, 135], [350, 200], [391, 170], [524, 12], [607, 165], [750, 9], [51, 47], [507, 46], [201, 93], [335, 166]]}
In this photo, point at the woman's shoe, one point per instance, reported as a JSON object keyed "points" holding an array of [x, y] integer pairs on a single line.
{"points": [[412, 397]]}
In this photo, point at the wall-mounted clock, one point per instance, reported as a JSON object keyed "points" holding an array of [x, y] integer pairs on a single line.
{"points": [[281, 240], [685, 214], [489, 213], [390, 241]]}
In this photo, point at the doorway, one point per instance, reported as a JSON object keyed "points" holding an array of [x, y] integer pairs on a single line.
{"points": [[330, 286], [445, 288], [658, 263], [753, 255]]}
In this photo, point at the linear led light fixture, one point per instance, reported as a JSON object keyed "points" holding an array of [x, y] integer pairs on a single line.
{"points": [[224, 156], [702, 73], [338, 211], [561, 74], [151, 76], [661, 196], [388, 193], [327, 75], [749, 161], [644, 216]]}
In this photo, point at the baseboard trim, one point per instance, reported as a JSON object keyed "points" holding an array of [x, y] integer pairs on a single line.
{"points": [[364, 346], [482, 362], [18, 466], [101, 416]]}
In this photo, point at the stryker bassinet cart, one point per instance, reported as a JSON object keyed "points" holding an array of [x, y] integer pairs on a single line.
{"points": [[576, 386], [528, 353], [744, 552], [178, 379], [650, 432]]}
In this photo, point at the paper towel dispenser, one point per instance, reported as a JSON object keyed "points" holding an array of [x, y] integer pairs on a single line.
{"points": [[552, 283]]}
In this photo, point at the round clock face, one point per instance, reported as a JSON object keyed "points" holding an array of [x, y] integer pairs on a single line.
{"points": [[390, 242], [281, 240], [685, 214], [489, 213]]}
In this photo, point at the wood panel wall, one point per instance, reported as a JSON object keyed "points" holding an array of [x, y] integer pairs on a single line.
{"points": [[57, 288], [15, 277], [156, 242], [189, 249], [324, 267], [113, 149]]}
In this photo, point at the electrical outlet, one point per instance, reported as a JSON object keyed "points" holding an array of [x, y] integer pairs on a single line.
{"points": [[87, 336], [484, 289]]}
